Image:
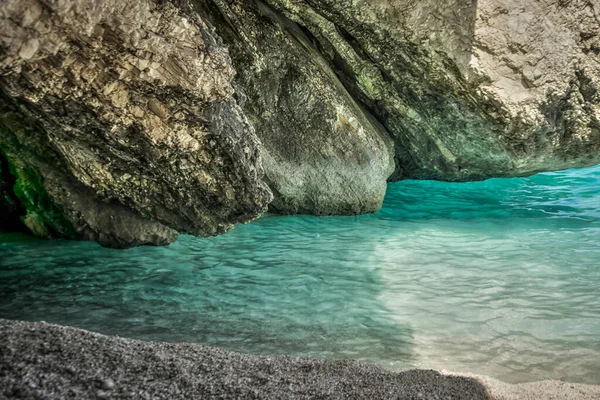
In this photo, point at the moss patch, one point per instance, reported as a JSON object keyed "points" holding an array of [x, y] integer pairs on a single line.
{"points": [[10, 208], [24, 194], [42, 216]]}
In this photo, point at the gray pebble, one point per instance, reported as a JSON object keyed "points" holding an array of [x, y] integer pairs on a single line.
{"points": [[108, 384]]}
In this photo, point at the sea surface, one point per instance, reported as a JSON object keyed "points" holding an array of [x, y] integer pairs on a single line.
{"points": [[499, 278]]}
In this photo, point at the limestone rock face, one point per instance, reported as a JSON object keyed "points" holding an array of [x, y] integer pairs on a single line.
{"points": [[119, 123], [322, 153], [468, 89]]}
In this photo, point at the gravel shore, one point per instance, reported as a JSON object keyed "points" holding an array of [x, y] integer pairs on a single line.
{"points": [[46, 361]]}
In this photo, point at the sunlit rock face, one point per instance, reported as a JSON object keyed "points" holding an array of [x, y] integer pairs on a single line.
{"points": [[468, 89], [323, 153], [119, 123]]}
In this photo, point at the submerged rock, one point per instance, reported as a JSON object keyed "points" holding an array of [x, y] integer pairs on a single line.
{"points": [[120, 124]]}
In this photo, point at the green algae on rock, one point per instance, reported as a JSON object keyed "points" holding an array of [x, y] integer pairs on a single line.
{"points": [[42, 216], [121, 118], [10, 208]]}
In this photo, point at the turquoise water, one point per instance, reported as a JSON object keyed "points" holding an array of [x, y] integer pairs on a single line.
{"points": [[499, 278]]}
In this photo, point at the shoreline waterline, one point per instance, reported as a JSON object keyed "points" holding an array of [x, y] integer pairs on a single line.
{"points": [[536, 390]]}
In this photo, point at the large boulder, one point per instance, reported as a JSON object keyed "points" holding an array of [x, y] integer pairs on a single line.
{"points": [[322, 152], [468, 89], [119, 123]]}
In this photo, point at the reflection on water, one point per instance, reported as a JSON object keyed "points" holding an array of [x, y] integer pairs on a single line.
{"points": [[500, 278]]}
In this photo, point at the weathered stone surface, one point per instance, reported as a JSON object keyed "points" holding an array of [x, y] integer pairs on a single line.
{"points": [[120, 124], [322, 153], [468, 89]]}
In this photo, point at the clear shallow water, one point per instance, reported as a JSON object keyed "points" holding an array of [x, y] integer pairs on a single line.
{"points": [[500, 278]]}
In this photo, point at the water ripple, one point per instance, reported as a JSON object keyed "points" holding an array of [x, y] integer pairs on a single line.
{"points": [[499, 278]]}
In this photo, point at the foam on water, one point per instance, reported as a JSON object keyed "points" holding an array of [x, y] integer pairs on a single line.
{"points": [[498, 278]]}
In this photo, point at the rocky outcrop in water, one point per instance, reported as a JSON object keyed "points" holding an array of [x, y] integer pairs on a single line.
{"points": [[322, 152], [126, 123], [120, 124], [467, 89]]}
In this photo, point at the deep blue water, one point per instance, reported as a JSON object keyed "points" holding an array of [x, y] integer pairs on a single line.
{"points": [[500, 278]]}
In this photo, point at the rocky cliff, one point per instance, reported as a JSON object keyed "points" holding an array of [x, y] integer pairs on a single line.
{"points": [[128, 122], [120, 124], [323, 153], [468, 89]]}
